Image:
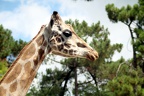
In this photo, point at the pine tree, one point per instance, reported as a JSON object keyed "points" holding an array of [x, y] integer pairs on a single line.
{"points": [[133, 18], [8, 46], [128, 80], [6, 42]]}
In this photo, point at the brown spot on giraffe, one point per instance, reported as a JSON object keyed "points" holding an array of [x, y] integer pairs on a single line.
{"points": [[23, 83], [28, 72], [16, 72], [13, 86], [71, 52], [45, 43], [29, 53], [28, 81], [58, 39], [48, 49], [67, 45], [2, 91], [35, 60], [41, 53], [24, 78], [40, 40], [65, 51], [60, 47], [27, 66]]}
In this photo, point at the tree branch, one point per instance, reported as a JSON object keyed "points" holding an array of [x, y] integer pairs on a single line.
{"points": [[134, 50], [85, 82], [66, 81], [120, 67]]}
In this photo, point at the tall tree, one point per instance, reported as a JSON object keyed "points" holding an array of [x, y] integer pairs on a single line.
{"points": [[128, 80], [6, 42], [8, 46], [133, 18]]}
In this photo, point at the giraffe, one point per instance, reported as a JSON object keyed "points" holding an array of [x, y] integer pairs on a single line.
{"points": [[56, 38]]}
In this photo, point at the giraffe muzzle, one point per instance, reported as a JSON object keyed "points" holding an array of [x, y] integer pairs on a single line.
{"points": [[92, 56]]}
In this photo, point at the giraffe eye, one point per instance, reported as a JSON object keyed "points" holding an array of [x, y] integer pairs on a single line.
{"points": [[67, 33]]}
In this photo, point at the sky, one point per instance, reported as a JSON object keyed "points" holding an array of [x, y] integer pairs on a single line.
{"points": [[25, 17]]}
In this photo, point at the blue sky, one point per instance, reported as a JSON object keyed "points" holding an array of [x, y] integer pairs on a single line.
{"points": [[25, 17], [7, 6]]}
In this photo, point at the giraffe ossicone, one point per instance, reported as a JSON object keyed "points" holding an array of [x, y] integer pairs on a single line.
{"points": [[57, 38]]}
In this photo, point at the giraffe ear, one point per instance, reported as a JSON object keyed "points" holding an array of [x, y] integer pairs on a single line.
{"points": [[51, 22]]}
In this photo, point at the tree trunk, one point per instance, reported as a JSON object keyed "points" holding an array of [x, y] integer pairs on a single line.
{"points": [[66, 81], [76, 85], [134, 50]]}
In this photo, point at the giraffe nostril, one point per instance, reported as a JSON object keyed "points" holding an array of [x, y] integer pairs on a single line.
{"points": [[97, 56], [90, 57], [93, 55]]}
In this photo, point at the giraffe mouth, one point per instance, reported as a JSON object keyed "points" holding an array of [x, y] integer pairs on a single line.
{"points": [[92, 56]]}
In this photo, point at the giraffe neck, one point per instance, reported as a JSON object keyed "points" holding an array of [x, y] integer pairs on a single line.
{"points": [[20, 75]]}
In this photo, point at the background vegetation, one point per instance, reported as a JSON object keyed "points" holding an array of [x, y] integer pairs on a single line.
{"points": [[9, 49], [81, 77]]}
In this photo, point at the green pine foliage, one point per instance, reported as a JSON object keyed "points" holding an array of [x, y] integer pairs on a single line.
{"points": [[130, 84], [50, 84], [6, 42], [128, 81], [3, 68], [133, 18], [18, 46], [8, 46]]}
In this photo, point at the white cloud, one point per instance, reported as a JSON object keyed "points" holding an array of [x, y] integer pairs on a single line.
{"points": [[26, 20]]}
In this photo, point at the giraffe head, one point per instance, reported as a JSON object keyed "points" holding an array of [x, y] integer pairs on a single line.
{"points": [[65, 42]]}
